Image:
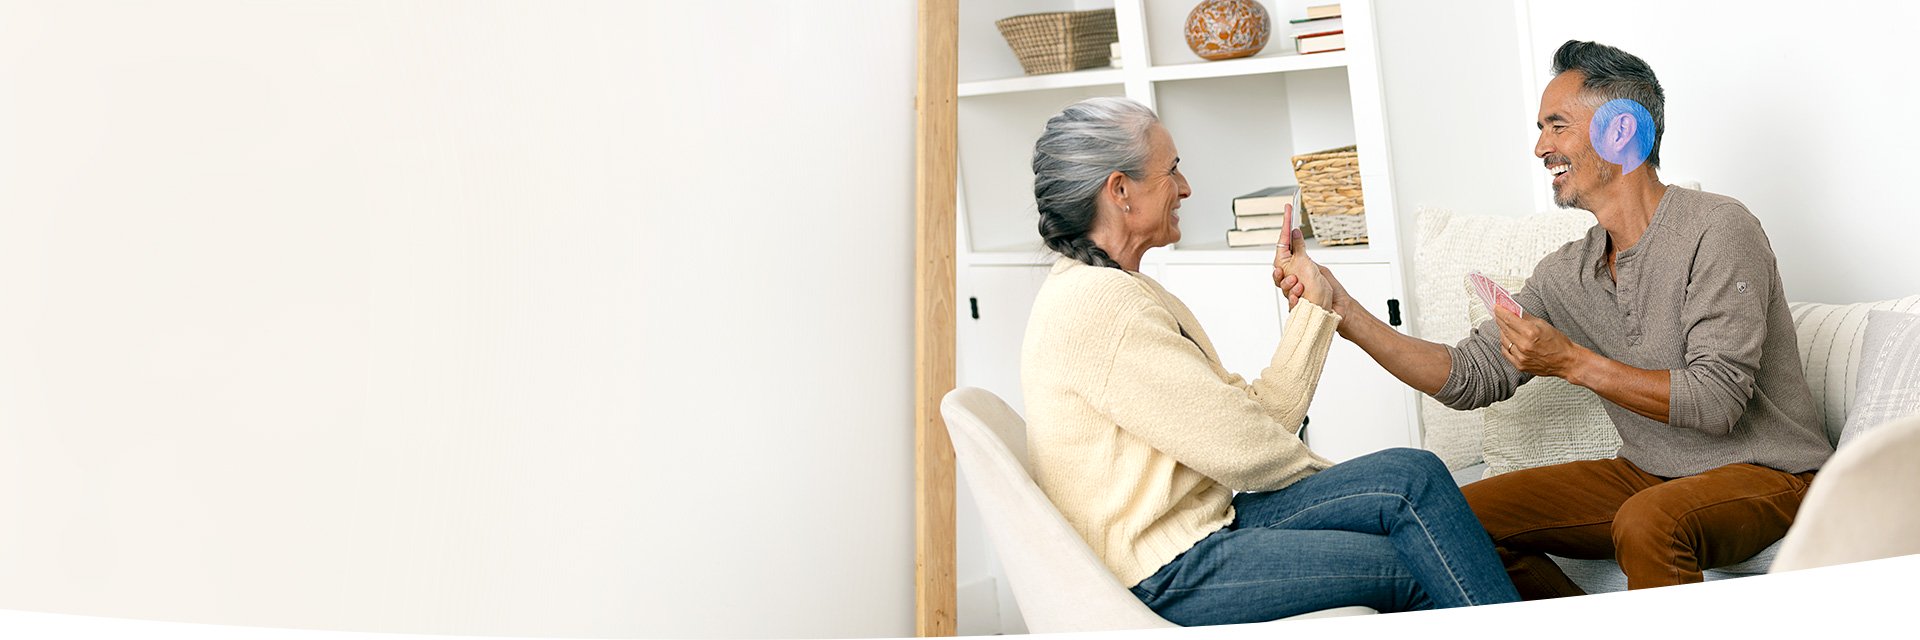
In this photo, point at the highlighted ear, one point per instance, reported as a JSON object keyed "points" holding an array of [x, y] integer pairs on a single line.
{"points": [[1623, 129], [1116, 187], [1623, 138], [1621, 133], [1616, 132]]}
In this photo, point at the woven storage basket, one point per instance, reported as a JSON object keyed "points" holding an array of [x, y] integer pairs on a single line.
{"points": [[1061, 40], [1330, 193]]}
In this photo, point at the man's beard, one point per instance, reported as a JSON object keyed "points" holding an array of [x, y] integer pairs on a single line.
{"points": [[1567, 201], [1564, 195]]}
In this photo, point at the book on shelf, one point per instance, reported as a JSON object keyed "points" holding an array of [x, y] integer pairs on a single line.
{"points": [[1265, 201], [1321, 43], [1254, 237], [1323, 11], [1304, 28], [1261, 221], [1261, 217]]}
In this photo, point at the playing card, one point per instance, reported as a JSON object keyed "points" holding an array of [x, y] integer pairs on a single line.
{"points": [[1504, 299], [1480, 289], [1493, 295]]}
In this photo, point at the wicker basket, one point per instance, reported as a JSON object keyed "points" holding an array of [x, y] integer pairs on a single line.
{"points": [[1330, 193], [1062, 40]]}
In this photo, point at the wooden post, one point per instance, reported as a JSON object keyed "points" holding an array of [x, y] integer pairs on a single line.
{"points": [[935, 173]]}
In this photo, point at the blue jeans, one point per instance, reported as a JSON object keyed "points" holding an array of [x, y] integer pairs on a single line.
{"points": [[1388, 530]]}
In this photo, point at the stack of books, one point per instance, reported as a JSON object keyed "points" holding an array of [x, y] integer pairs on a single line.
{"points": [[1259, 218], [1320, 31]]}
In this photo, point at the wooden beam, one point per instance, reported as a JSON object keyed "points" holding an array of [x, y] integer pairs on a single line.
{"points": [[935, 164]]}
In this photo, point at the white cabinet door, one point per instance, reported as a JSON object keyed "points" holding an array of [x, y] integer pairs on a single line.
{"points": [[1236, 305], [1359, 407], [994, 302]]}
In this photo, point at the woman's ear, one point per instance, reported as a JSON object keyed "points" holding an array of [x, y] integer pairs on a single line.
{"points": [[1116, 189]]}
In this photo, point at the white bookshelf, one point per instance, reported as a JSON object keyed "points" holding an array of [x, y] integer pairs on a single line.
{"points": [[1248, 66], [1082, 78], [1238, 122]]}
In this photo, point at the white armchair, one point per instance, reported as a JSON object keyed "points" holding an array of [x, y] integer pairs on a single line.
{"points": [[1865, 504], [1057, 580]]}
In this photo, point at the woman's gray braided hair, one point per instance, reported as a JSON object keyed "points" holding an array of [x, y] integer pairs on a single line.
{"points": [[1082, 145]]}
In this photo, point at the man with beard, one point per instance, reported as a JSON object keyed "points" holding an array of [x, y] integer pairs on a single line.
{"points": [[1671, 310]]}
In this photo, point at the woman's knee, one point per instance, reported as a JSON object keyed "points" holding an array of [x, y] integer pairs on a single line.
{"points": [[1413, 462], [1416, 472]]}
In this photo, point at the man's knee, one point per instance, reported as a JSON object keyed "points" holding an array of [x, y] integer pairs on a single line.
{"points": [[1651, 522]]}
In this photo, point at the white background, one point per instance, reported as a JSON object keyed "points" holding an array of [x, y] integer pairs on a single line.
{"points": [[593, 318], [569, 318]]}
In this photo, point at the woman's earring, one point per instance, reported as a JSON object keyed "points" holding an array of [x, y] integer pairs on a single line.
{"points": [[1126, 208]]}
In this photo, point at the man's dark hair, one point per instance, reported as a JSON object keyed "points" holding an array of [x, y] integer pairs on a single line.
{"points": [[1611, 74]]}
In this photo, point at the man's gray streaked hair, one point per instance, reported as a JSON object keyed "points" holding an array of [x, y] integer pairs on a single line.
{"points": [[1082, 145], [1609, 74]]}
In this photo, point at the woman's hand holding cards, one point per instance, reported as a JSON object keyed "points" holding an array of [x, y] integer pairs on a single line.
{"points": [[1297, 275]]}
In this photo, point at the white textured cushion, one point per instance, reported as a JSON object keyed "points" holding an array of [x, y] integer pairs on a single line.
{"points": [[1889, 386], [1449, 246], [1547, 421], [1831, 337]]}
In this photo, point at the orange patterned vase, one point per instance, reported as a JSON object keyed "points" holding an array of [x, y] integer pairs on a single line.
{"points": [[1223, 29]]}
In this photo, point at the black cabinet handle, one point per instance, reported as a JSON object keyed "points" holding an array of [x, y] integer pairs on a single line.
{"points": [[974, 304], [1393, 312]]}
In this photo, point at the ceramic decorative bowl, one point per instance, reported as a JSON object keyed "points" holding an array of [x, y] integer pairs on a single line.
{"points": [[1223, 29]]}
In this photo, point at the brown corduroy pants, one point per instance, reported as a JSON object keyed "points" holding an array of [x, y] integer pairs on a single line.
{"points": [[1662, 531]]}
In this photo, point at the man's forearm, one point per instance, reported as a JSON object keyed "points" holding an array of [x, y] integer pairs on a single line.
{"points": [[1420, 364], [1648, 393]]}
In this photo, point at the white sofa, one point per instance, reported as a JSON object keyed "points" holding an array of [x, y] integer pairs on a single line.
{"points": [[1450, 245]]}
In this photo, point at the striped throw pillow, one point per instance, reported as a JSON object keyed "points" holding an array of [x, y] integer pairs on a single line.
{"points": [[1831, 337], [1889, 387]]}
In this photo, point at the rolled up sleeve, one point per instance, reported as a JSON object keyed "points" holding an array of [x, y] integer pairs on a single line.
{"points": [[1479, 376], [1725, 320]]}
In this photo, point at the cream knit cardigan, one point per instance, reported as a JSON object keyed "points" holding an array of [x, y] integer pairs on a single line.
{"points": [[1137, 433]]}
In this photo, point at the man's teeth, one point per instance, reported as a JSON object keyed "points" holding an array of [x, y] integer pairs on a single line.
{"points": [[1558, 169]]}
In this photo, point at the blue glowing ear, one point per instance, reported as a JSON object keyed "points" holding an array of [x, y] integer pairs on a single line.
{"points": [[1628, 148]]}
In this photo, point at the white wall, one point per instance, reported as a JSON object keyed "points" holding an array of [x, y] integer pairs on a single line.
{"points": [[1458, 121], [1458, 116], [1797, 111], [585, 318]]}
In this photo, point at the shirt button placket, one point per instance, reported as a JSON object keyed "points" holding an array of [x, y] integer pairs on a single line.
{"points": [[1627, 273]]}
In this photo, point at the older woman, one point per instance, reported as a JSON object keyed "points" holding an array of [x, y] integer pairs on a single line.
{"points": [[1141, 438]]}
